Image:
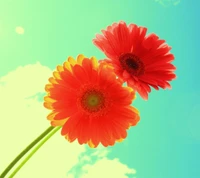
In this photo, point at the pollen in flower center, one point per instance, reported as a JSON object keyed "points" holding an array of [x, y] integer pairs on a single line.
{"points": [[132, 64], [92, 101]]}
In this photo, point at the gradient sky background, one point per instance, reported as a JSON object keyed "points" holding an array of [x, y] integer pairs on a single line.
{"points": [[166, 142]]}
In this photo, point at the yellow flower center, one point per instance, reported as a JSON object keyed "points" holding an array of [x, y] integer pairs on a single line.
{"points": [[92, 100]]}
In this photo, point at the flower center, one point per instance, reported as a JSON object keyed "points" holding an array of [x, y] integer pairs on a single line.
{"points": [[93, 101], [132, 64]]}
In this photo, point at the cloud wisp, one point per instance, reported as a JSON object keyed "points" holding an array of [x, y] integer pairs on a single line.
{"points": [[167, 3]]}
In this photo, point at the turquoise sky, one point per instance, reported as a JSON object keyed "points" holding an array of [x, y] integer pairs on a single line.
{"points": [[166, 142]]}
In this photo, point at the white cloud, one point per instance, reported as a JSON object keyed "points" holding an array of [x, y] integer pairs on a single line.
{"points": [[19, 30], [25, 81], [107, 168], [101, 152], [23, 118], [167, 3], [98, 165]]}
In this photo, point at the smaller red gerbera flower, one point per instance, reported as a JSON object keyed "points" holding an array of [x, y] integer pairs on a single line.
{"points": [[141, 61], [90, 103]]}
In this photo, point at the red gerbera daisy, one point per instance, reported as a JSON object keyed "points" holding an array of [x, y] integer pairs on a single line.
{"points": [[142, 61], [90, 103]]}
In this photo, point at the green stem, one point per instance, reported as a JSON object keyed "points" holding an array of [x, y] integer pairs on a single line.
{"points": [[4, 173], [34, 151]]}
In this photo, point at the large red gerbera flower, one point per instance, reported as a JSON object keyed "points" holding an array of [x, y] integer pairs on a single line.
{"points": [[90, 103], [142, 61]]}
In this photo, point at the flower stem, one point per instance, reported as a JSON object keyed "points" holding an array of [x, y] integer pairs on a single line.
{"points": [[31, 145], [34, 151]]}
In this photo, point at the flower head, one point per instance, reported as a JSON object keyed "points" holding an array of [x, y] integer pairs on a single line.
{"points": [[89, 102], [141, 61]]}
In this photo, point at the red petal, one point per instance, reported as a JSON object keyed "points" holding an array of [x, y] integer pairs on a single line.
{"points": [[71, 123], [80, 74]]}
